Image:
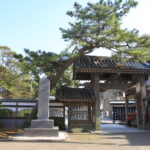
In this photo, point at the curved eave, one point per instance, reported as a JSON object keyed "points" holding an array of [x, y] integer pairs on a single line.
{"points": [[76, 100], [93, 70]]}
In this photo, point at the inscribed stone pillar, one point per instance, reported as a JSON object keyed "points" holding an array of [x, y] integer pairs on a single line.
{"points": [[97, 102], [43, 102], [42, 126]]}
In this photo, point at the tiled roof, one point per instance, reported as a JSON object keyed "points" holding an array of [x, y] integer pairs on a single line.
{"points": [[75, 95], [108, 65], [25, 100]]}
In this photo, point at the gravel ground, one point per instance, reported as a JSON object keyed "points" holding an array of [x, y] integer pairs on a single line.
{"points": [[112, 137], [87, 141]]}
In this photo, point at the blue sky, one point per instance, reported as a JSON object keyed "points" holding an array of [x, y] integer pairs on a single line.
{"points": [[35, 24]]}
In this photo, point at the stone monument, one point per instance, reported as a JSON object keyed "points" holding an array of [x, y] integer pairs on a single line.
{"points": [[43, 126]]}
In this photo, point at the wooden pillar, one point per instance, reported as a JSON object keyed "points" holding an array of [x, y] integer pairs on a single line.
{"points": [[89, 113], [126, 108], [64, 116], [140, 96], [149, 115], [147, 104], [64, 111], [143, 98], [93, 115], [93, 106], [138, 105], [16, 115], [97, 102], [69, 117]]}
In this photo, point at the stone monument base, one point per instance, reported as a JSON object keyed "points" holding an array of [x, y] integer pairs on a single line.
{"points": [[41, 132], [42, 123], [42, 128]]}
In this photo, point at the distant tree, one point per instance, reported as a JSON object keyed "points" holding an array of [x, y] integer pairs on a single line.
{"points": [[7, 65], [97, 25], [5, 112], [7, 59], [13, 76], [24, 112]]}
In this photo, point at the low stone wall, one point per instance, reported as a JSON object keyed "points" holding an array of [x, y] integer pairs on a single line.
{"points": [[13, 122], [21, 122]]}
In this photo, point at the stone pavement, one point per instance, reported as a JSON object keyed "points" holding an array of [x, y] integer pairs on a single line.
{"points": [[111, 128]]}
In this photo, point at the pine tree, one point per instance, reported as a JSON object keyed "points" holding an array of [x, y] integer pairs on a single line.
{"points": [[97, 25]]}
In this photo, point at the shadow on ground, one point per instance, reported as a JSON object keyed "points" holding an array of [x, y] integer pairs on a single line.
{"points": [[134, 139]]}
